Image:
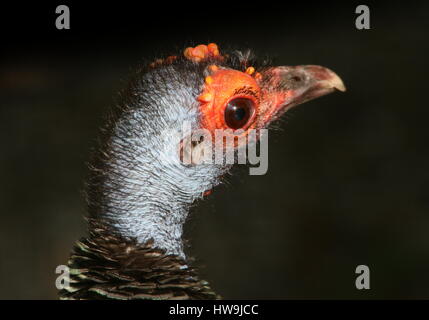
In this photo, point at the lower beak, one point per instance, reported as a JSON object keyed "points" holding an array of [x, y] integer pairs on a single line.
{"points": [[287, 87]]}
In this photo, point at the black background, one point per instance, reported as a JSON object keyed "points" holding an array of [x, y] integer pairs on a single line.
{"points": [[348, 175]]}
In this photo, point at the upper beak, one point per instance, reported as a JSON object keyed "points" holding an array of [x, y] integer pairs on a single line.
{"points": [[285, 87]]}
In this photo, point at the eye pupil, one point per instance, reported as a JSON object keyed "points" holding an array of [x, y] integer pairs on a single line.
{"points": [[238, 112]]}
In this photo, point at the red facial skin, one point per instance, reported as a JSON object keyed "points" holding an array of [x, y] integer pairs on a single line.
{"points": [[273, 92], [225, 85]]}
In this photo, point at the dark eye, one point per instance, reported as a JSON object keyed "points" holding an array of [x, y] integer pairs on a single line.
{"points": [[238, 112]]}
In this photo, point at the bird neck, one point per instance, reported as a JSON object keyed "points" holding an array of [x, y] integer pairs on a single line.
{"points": [[138, 194], [137, 184]]}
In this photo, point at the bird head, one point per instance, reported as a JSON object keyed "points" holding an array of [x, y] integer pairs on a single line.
{"points": [[235, 95], [140, 182]]}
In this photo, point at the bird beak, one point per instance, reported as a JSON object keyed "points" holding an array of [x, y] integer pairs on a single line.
{"points": [[285, 87]]}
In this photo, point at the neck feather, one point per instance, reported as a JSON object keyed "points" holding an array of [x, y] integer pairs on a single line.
{"points": [[105, 266]]}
